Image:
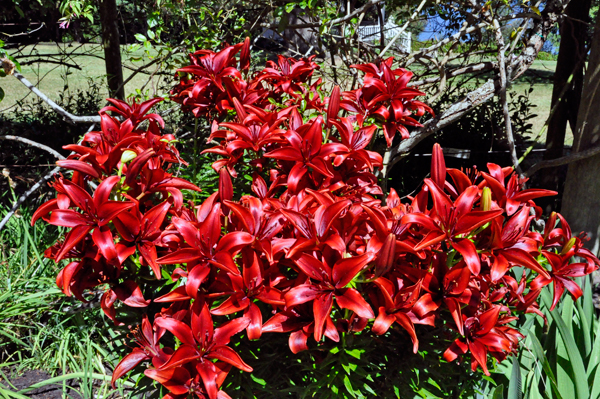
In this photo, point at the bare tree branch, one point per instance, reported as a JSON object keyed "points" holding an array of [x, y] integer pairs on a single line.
{"points": [[403, 28], [550, 163], [336, 21], [516, 67], [61, 111], [37, 185], [34, 144], [42, 60], [503, 99], [26, 195]]}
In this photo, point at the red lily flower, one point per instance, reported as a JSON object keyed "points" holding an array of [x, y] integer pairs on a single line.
{"points": [[330, 283]]}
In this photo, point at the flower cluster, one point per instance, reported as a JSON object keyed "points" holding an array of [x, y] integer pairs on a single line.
{"points": [[314, 252]]}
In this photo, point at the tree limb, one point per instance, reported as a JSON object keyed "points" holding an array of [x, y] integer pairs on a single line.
{"points": [[336, 21], [39, 60], [60, 110], [26, 195], [34, 144], [502, 69], [550, 163], [403, 28], [518, 65], [37, 185]]}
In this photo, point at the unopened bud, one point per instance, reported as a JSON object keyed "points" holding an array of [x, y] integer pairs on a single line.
{"points": [[387, 256], [568, 246], [486, 199], [128, 155]]}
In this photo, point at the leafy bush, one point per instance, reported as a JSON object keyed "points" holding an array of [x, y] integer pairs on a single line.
{"points": [[545, 56], [313, 255]]}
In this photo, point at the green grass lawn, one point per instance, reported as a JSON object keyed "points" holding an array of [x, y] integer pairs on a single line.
{"points": [[53, 79], [541, 73]]}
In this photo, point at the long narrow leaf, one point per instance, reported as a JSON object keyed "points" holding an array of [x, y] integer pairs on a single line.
{"points": [[539, 353], [579, 374], [514, 385]]}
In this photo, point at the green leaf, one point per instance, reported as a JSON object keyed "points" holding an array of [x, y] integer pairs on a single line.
{"points": [[514, 385], [498, 392], [150, 34], [348, 386], [579, 375], [17, 65], [283, 23], [355, 352], [1, 94], [140, 38], [21, 13], [585, 329], [594, 360], [289, 7], [258, 380]]}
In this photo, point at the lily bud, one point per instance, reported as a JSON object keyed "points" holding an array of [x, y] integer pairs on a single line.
{"points": [[225, 185], [569, 245], [486, 199], [386, 257], [128, 156], [438, 166]]}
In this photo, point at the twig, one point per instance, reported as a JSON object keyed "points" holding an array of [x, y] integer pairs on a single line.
{"points": [[37, 185], [67, 115], [25, 195], [403, 28], [550, 163], [502, 71], [39, 60], [336, 21], [25, 33], [441, 43], [34, 144], [140, 69], [484, 93]]}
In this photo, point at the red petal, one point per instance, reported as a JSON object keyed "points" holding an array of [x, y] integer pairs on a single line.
{"points": [[298, 341], [235, 241], [301, 294], [313, 268], [228, 355], [407, 324], [128, 363], [184, 255], [325, 215], [522, 258], [346, 269], [383, 322], [79, 166], [224, 333], [254, 328], [455, 311], [321, 309], [175, 379], [179, 329], [349, 298], [469, 252], [195, 278], [208, 373]]}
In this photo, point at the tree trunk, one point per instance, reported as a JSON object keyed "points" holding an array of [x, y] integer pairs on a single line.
{"points": [[569, 71], [112, 50], [581, 199]]}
